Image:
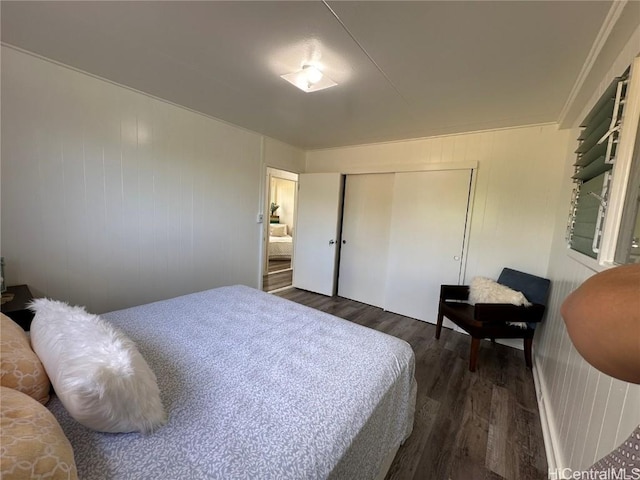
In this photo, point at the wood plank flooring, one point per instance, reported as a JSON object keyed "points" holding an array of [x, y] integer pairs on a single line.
{"points": [[482, 425], [277, 265], [279, 275], [276, 280]]}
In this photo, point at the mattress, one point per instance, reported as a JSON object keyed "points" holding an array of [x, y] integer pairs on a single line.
{"points": [[256, 386], [280, 247]]}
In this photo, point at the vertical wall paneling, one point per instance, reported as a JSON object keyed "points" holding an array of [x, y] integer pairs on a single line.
{"points": [[586, 413], [112, 198], [517, 187], [282, 156]]}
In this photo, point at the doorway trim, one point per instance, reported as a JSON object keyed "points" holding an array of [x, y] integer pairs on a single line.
{"points": [[269, 173]]}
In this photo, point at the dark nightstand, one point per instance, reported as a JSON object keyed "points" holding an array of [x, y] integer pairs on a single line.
{"points": [[16, 309]]}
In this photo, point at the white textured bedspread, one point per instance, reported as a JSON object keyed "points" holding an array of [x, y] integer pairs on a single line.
{"points": [[256, 387], [280, 246]]}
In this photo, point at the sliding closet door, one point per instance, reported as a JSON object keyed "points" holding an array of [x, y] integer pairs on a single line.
{"points": [[365, 237], [426, 239]]}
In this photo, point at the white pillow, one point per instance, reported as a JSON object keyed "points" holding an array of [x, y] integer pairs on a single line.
{"points": [[97, 372], [278, 229], [485, 290]]}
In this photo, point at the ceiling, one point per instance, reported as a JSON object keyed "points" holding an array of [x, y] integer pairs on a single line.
{"points": [[404, 69]]}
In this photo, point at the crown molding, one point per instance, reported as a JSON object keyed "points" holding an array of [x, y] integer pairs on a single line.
{"points": [[603, 35]]}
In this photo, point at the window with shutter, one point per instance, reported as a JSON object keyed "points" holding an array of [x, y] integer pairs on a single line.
{"points": [[596, 155]]}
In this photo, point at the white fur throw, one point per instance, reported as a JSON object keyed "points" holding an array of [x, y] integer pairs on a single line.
{"points": [[485, 290], [97, 372]]}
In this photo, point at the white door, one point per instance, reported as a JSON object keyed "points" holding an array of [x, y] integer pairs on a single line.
{"points": [[317, 232], [365, 237], [426, 240]]}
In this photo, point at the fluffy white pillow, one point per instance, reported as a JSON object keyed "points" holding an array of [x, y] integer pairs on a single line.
{"points": [[485, 290], [97, 372]]}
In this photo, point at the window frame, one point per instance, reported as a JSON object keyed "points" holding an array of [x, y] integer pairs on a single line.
{"points": [[621, 169], [620, 182]]}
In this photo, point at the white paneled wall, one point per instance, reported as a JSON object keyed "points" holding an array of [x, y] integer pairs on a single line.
{"points": [[588, 413], [283, 156], [519, 177], [112, 198]]}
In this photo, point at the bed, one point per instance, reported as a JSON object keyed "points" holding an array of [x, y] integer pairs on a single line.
{"points": [[280, 242], [256, 386]]}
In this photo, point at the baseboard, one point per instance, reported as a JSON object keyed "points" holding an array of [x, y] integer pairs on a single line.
{"points": [[549, 430]]}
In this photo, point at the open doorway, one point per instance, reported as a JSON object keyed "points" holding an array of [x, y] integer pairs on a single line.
{"points": [[280, 232]]}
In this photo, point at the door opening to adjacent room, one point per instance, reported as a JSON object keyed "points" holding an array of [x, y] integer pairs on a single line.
{"points": [[279, 231]]}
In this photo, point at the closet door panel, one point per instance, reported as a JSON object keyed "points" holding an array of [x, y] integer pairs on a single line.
{"points": [[365, 235], [317, 232], [426, 242]]}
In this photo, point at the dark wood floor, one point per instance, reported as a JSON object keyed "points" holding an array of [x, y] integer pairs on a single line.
{"points": [[277, 280], [277, 265], [482, 425], [279, 275]]}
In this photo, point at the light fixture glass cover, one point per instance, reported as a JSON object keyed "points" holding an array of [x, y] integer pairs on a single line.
{"points": [[309, 79]]}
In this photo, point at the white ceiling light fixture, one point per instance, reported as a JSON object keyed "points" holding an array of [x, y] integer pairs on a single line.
{"points": [[309, 79]]}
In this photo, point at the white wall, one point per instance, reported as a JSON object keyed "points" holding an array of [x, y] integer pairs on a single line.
{"points": [[518, 182], [283, 194], [112, 198], [587, 413], [283, 156]]}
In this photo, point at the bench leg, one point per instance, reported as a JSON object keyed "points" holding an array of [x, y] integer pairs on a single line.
{"points": [[528, 342], [439, 324], [473, 354]]}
